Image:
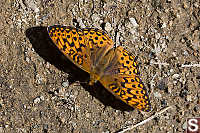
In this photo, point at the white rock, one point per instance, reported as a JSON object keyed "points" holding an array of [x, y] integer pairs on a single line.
{"points": [[164, 25], [65, 84], [171, 70], [32, 4], [82, 25], [189, 98], [185, 53], [157, 95], [133, 22], [27, 59], [87, 115], [184, 126], [175, 76], [108, 27], [95, 17], [157, 36], [133, 31], [174, 54], [36, 100], [42, 98]]}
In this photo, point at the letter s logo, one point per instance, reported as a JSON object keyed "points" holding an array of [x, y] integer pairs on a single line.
{"points": [[193, 125]]}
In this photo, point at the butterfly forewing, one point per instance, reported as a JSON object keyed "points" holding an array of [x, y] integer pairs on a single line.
{"points": [[97, 37], [79, 44], [71, 42]]}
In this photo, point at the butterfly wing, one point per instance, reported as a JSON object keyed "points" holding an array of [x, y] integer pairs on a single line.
{"points": [[125, 84], [97, 38], [77, 44], [71, 42]]}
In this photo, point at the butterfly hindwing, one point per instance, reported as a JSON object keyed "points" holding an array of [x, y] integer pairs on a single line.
{"points": [[129, 89], [126, 84]]}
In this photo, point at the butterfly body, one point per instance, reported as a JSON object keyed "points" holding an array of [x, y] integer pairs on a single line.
{"points": [[93, 51], [104, 66]]}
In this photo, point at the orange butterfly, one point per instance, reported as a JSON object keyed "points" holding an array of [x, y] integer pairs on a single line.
{"points": [[93, 51]]}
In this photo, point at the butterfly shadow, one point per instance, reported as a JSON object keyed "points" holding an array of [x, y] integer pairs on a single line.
{"points": [[44, 47]]}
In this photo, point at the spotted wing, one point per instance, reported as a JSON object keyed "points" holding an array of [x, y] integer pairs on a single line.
{"points": [[77, 44], [71, 42], [97, 38], [125, 83], [99, 44]]}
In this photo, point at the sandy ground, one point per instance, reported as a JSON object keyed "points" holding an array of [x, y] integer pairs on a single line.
{"points": [[36, 90]]}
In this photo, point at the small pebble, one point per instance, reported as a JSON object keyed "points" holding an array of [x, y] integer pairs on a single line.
{"points": [[175, 76], [87, 115], [174, 54], [133, 31], [75, 93], [45, 127], [184, 126], [108, 27], [37, 100], [74, 124], [196, 4], [82, 25], [65, 84], [164, 25], [175, 82], [95, 17], [185, 53], [42, 98], [133, 22], [189, 98], [197, 108], [27, 59], [169, 89], [157, 95], [128, 123], [157, 36]]}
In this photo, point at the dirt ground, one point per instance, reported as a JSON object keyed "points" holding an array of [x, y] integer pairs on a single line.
{"points": [[43, 92]]}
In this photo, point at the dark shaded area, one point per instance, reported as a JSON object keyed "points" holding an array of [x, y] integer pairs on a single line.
{"points": [[43, 45]]}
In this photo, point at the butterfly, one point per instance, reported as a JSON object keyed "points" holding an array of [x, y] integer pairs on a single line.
{"points": [[93, 51]]}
